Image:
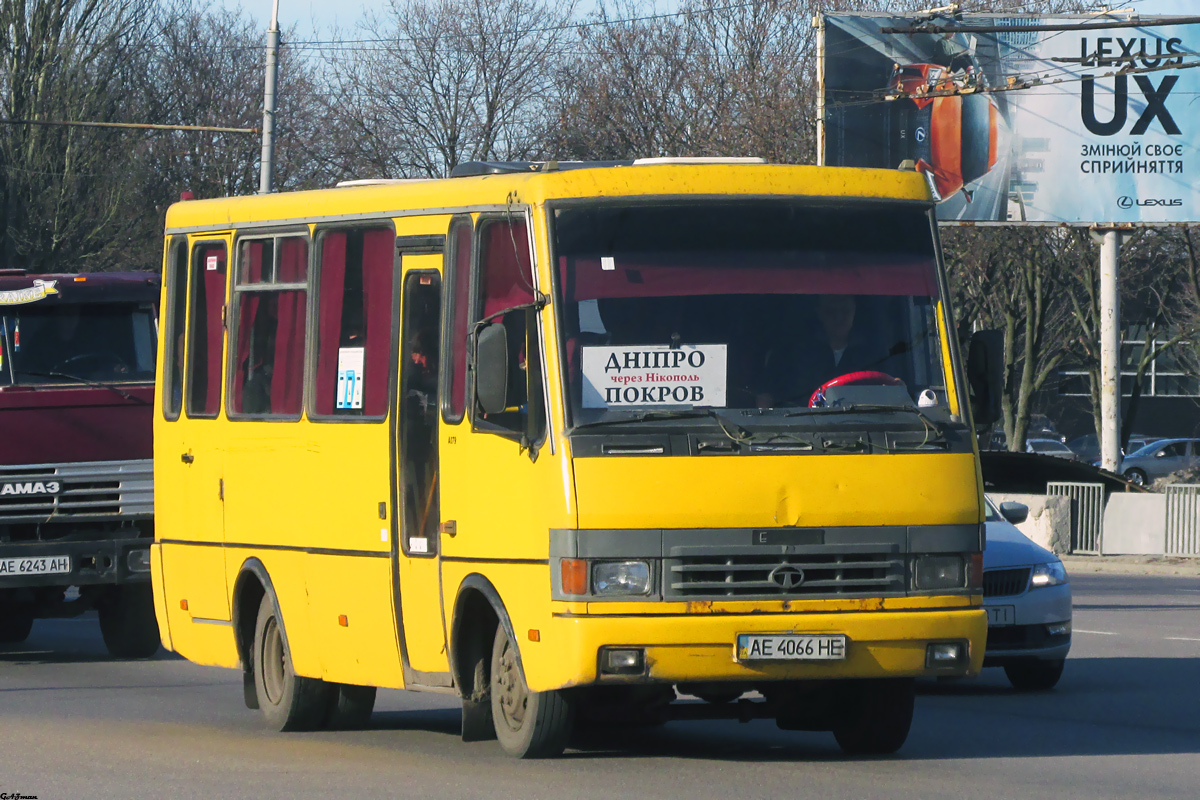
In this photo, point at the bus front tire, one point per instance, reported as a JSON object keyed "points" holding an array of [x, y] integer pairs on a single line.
{"points": [[127, 622], [289, 702], [528, 724], [877, 716]]}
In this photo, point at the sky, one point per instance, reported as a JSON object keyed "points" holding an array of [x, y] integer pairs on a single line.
{"points": [[314, 17]]}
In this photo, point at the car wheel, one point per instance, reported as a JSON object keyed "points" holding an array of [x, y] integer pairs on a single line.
{"points": [[350, 707], [1136, 476], [877, 716], [127, 621], [1035, 675], [290, 702], [528, 724]]}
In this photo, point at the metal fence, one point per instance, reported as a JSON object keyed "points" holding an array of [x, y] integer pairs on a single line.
{"points": [[1183, 520], [1087, 514]]}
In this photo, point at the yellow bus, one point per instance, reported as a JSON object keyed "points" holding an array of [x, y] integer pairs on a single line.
{"points": [[583, 444]]}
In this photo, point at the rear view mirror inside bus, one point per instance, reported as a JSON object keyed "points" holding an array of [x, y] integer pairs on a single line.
{"points": [[491, 368]]}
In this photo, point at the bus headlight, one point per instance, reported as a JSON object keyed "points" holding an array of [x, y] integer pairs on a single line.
{"points": [[1051, 574], [611, 578], [939, 572]]}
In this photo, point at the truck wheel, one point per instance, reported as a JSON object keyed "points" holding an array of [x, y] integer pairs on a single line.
{"points": [[350, 707], [127, 621], [15, 624], [1035, 675], [528, 724], [290, 702], [878, 714]]}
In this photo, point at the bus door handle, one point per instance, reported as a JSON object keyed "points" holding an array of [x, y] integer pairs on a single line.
{"points": [[449, 527], [187, 458]]}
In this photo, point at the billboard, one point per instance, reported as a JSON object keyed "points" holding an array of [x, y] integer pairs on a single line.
{"points": [[1077, 121]]}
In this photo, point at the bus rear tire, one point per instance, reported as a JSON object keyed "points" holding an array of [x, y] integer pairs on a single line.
{"points": [[289, 702], [127, 621], [528, 724], [877, 716], [350, 707]]}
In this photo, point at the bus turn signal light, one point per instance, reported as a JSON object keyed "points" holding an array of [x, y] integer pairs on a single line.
{"points": [[183, 605], [343, 620], [574, 576]]}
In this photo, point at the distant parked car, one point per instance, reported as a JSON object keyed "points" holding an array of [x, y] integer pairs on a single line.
{"points": [[1160, 458], [1049, 447], [1088, 447], [1028, 603]]}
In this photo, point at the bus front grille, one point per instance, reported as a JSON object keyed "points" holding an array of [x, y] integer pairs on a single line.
{"points": [[751, 575]]}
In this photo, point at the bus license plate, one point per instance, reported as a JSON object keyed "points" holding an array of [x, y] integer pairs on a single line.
{"points": [[1001, 615], [43, 565], [791, 647]]}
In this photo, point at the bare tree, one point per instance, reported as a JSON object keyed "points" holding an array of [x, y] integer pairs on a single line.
{"points": [[65, 188], [452, 81]]}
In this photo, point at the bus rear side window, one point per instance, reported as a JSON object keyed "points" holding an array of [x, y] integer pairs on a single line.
{"points": [[270, 301], [354, 322], [458, 259], [205, 329]]}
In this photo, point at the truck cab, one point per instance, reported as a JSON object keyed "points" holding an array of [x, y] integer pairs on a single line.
{"points": [[77, 355]]}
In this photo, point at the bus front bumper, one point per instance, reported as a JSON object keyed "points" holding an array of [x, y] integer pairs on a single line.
{"points": [[702, 647]]}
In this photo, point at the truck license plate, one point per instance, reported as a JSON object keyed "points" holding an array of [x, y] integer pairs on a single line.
{"points": [[791, 647], [37, 565]]}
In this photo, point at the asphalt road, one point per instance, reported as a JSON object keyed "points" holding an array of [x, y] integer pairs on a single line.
{"points": [[1123, 723]]}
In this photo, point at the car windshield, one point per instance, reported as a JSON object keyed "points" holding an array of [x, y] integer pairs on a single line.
{"points": [[747, 305], [77, 342], [993, 515], [1144, 450]]}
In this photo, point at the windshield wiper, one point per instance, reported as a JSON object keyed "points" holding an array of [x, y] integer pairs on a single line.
{"points": [[87, 381], [736, 434]]}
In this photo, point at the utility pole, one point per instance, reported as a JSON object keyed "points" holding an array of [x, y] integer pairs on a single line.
{"points": [[267, 165], [1110, 350]]}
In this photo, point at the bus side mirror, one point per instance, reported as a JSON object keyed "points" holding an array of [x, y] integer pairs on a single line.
{"points": [[985, 374], [491, 368]]}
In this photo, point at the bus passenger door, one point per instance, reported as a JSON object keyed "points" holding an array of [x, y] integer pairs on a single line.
{"points": [[416, 551]]}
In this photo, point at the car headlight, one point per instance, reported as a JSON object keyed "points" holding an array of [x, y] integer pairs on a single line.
{"points": [[621, 578], [1051, 574]]}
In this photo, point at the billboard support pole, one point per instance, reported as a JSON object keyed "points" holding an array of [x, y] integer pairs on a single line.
{"points": [[1110, 350], [819, 24]]}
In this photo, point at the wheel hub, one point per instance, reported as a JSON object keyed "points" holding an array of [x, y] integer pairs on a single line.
{"points": [[513, 695], [273, 667]]}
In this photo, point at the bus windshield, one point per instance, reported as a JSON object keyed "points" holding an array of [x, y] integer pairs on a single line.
{"points": [[64, 343], [752, 304]]}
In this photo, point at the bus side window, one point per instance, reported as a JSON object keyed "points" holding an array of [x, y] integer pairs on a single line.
{"points": [[354, 322], [205, 329], [458, 270], [270, 303], [177, 269], [506, 281]]}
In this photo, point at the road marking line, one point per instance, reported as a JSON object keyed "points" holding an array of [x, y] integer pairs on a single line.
{"points": [[1182, 639], [1102, 633]]}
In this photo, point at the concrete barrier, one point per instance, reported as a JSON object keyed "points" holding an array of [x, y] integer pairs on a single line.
{"points": [[1049, 522], [1135, 524]]}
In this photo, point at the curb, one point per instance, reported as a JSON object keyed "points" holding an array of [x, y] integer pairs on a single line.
{"points": [[1133, 565]]}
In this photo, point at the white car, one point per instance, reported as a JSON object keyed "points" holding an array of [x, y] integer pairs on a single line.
{"points": [[1050, 447], [1028, 602]]}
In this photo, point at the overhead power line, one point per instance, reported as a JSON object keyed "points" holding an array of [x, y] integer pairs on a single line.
{"points": [[136, 125], [1078, 26]]}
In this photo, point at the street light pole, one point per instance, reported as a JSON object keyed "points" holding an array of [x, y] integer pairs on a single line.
{"points": [[267, 163]]}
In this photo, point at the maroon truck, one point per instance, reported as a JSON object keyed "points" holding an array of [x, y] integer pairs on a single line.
{"points": [[77, 356]]}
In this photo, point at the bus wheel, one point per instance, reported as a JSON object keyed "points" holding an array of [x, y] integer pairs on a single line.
{"points": [[528, 724], [289, 701], [127, 621], [876, 716], [350, 707], [16, 623]]}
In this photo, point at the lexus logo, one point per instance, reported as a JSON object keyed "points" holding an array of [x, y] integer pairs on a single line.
{"points": [[786, 576], [1125, 202], [919, 134]]}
